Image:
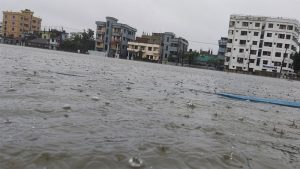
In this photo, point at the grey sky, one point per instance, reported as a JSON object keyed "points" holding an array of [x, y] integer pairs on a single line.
{"points": [[196, 20]]}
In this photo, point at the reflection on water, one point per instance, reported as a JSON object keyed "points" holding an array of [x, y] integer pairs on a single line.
{"points": [[61, 110]]}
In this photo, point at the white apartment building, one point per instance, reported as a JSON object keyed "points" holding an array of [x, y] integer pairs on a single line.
{"points": [[148, 51], [261, 43]]}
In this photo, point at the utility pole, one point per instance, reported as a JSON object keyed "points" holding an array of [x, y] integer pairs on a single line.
{"points": [[284, 56]]}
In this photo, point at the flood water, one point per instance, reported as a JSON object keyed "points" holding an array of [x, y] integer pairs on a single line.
{"points": [[69, 111]]}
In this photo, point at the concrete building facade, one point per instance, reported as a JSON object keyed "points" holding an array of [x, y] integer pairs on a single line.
{"points": [[143, 51], [173, 47], [222, 46], [17, 23], [261, 43], [54, 37], [113, 37], [0, 29], [1, 32]]}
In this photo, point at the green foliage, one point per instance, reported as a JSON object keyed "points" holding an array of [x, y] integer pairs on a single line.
{"points": [[190, 56], [84, 43], [296, 65]]}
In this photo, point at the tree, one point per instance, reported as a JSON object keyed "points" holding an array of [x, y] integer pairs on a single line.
{"points": [[190, 56], [83, 43], [296, 64]]}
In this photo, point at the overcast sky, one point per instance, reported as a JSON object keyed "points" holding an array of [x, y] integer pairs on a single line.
{"points": [[195, 20]]}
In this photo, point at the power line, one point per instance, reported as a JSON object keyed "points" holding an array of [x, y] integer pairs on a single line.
{"points": [[207, 43]]}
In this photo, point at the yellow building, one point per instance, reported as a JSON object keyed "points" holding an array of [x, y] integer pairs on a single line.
{"points": [[16, 23], [147, 51]]}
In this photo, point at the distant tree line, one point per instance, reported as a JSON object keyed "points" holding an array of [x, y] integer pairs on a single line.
{"points": [[83, 43]]}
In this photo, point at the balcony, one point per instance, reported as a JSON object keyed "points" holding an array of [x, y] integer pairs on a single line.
{"points": [[100, 40], [116, 33], [114, 41], [100, 45], [101, 31]]}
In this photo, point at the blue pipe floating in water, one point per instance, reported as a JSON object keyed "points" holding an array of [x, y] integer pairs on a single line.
{"points": [[262, 100]]}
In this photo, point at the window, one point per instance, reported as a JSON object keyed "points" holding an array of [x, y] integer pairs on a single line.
{"points": [[168, 39], [12, 29], [230, 32], [265, 62], [167, 48], [257, 24], [244, 33], [232, 23], [240, 60], [237, 30], [268, 44], [271, 25], [278, 54], [149, 48], [166, 55], [290, 27], [227, 59], [136, 47], [282, 26], [266, 53], [254, 43], [258, 62], [256, 33], [229, 41], [288, 37], [269, 34], [279, 45], [245, 23], [277, 63], [281, 36], [252, 60], [243, 42], [242, 50], [286, 46], [253, 52], [228, 49]]}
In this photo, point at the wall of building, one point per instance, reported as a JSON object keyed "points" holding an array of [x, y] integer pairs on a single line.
{"points": [[143, 50], [260, 43], [113, 37], [222, 46], [17, 23]]}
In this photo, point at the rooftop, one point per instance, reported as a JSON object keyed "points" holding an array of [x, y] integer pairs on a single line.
{"points": [[264, 18]]}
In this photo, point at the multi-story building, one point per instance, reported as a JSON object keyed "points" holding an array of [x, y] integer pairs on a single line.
{"points": [[173, 47], [17, 23], [143, 51], [54, 37], [222, 46], [113, 37], [261, 43]]}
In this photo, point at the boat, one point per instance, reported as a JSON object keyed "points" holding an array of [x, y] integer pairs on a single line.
{"points": [[261, 100]]}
